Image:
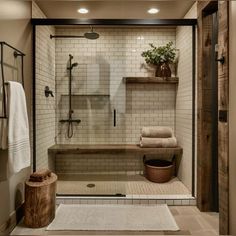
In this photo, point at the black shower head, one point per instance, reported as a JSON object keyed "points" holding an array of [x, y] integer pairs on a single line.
{"points": [[88, 35], [74, 65], [91, 34]]}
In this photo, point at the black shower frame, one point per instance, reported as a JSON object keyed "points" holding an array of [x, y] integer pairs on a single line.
{"points": [[119, 22]]}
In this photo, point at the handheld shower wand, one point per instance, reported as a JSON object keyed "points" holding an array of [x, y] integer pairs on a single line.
{"points": [[70, 120]]}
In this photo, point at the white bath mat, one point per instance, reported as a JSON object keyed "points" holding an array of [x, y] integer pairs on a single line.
{"points": [[113, 217]]}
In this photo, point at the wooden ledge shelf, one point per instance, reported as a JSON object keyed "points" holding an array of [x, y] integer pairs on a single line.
{"points": [[110, 149], [151, 80], [86, 95]]}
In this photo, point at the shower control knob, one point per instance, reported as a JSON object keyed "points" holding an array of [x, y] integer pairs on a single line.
{"points": [[48, 92]]}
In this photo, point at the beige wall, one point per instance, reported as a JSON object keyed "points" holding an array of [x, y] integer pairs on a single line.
{"points": [[232, 119], [15, 29]]}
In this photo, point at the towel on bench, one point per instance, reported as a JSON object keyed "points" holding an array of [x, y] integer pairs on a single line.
{"points": [[158, 142], [157, 132]]}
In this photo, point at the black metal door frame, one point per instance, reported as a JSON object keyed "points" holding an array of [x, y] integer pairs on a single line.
{"points": [[119, 22]]}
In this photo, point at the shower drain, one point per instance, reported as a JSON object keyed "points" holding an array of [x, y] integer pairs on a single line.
{"points": [[90, 185]]}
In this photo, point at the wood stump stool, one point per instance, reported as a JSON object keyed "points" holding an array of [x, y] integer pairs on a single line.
{"points": [[40, 202]]}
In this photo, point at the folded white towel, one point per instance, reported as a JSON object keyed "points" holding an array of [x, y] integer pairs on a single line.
{"points": [[18, 129], [157, 132], [158, 142]]}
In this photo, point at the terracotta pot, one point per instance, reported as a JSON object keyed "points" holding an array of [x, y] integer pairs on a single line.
{"points": [[163, 70], [159, 171]]}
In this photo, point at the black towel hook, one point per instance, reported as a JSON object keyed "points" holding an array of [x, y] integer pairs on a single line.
{"points": [[48, 92]]}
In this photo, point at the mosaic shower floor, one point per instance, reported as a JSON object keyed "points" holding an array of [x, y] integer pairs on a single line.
{"points": [[118, 184]]}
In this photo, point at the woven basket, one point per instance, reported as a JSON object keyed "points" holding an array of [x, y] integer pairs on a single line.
{"points": [[159, 171]]}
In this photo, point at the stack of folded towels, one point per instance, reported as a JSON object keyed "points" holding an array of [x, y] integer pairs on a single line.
{"points": [[157, 137]]}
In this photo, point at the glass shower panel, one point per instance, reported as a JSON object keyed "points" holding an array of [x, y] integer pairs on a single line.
{"points": [[99, 169], [105, 168]]}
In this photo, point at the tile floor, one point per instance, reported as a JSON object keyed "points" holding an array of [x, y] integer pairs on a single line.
{"points": [[170, 200], [190, 220], [109, 184]]}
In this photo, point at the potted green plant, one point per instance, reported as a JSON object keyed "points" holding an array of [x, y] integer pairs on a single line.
{"points": [[161, 57]]}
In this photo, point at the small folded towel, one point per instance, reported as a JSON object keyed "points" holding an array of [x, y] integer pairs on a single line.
{"points": [[158, 142], [18, 129], [40, 175], [157, 132]]}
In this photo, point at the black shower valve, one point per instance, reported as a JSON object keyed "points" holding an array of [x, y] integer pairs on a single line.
{"points": [[48, 92]]}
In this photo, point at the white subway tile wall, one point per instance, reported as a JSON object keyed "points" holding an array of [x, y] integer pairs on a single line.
{"points": [[98, 164], [45, 76], [99, 89], [104, 164], [184, 99]]}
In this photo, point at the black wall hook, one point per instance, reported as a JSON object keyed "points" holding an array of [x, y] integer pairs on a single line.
{"points": [[16, 54], [48, 92], [221, 60]]}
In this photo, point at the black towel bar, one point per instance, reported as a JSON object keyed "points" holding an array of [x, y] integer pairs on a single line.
{"points": [[16, 53]]}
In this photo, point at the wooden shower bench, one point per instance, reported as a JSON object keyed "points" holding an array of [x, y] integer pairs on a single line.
{"points": [[116, 149], [110, 149]]}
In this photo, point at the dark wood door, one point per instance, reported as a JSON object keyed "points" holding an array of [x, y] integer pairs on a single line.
{"points": [[207, 169], [223, 125], [204, 167]]}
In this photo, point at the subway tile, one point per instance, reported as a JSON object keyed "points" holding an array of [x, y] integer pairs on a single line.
{"points": [[161, 201], [177, 202], [170, 202], [186, 202]]}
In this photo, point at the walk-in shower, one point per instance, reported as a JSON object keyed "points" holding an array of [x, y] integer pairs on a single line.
{"points": [[93, 78]]}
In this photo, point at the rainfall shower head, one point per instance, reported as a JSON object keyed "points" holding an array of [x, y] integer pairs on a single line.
{"points": [[91, 34], [74, 64]]}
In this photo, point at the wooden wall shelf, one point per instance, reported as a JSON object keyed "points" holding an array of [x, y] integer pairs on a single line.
{"points": [[152, 80], [87, 95]]}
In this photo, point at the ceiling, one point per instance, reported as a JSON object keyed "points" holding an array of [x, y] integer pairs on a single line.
{"points": [[113, 9]]}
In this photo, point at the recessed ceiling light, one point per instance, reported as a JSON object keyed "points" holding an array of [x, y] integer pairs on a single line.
{"points": [[83, 10], [140, 38], [153, 10]]}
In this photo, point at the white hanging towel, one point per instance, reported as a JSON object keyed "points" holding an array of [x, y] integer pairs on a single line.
{"points": [[18, 129]]}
